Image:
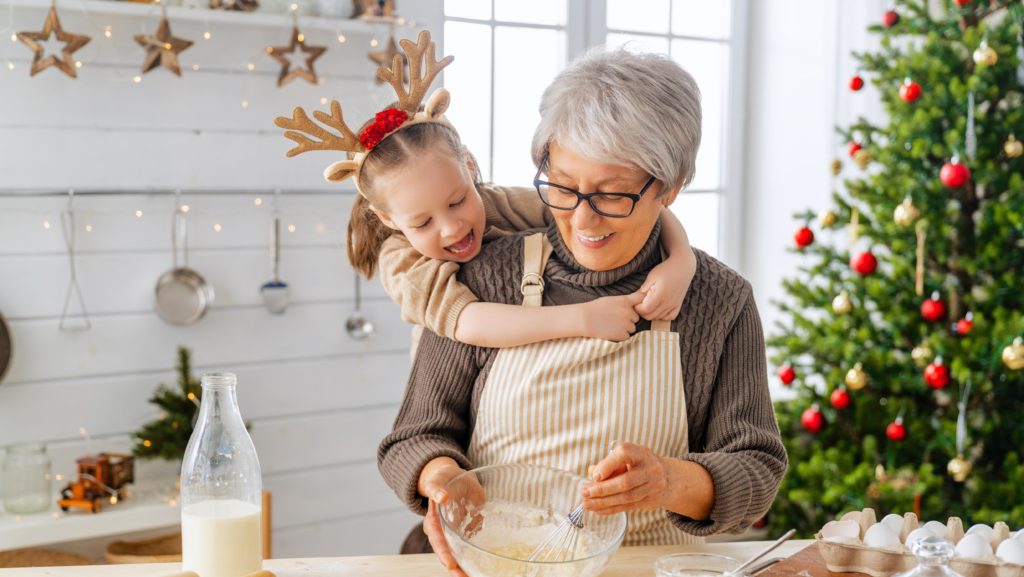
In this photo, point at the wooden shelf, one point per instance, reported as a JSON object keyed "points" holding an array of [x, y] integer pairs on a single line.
{"points": [[121, 8], [148, 507]]}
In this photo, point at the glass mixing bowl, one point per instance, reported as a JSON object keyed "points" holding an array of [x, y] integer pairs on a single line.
{"points": [[693, 565], [496, 516]]}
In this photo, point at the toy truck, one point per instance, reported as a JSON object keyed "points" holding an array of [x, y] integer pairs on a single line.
{"points": [[101, 478]]}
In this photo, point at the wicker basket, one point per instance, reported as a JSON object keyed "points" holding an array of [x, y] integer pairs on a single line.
{"points": [[163, 549], [41, 558]]}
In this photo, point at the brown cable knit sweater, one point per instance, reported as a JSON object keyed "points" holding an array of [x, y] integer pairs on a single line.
{"points": [[732, 428]]}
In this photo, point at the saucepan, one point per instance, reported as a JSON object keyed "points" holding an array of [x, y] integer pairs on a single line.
{"points": [[182, 294]]}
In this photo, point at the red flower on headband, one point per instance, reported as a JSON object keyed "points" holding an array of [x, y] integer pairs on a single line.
{"points": [[386, 120]]}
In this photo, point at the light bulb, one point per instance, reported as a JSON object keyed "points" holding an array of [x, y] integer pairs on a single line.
{"points": [[108, 32], [195, 67], [138, 214], [373, 43], [341, 38], [302, 37], [245, 104], [216, 227], [185, 208], [294, 7], [291, 228], [323, 100], [78, 63], [258, 201], [88, 228], [250, 66], [46, 224], [136, 79], [207, 35], [10, 66], [14, 37]]}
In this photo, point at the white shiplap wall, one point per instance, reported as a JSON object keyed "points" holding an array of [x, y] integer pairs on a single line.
{"points": [[319, 402]]}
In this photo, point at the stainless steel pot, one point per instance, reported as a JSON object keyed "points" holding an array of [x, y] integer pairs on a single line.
{"points": [[182, 294]]}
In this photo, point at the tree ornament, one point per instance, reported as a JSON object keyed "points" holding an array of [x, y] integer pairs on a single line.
{"points": [[1013, 147], [984, 55], [933, 309], [836, 166], [856, 83], [921, 354], [856, 378], [964, 325], [954, 174], [803, 237], [1013, 355], [786, 374], [812, 419], [864, 263], [905, 213], [296, 44], [962, 2], [72, 42], [842, 304], [896, 431], [890, 18], [959, 468], [862, 158], [853, 147], [910, 91], [936, 374], [840, 398], [826, 218], [162, 47], [922, 234]]}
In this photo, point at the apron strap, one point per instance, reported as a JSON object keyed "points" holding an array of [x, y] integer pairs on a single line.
{"points": [[536, 250], [661, 326]]}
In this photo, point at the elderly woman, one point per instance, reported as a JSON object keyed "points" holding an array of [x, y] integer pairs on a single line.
{"points": [[685, 405]]}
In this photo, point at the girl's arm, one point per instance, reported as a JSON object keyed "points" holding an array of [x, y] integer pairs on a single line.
{"points": [[513, 208], [667, 283]]}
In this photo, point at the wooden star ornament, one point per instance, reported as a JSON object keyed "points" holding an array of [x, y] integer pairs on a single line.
{"points": [[162, 48], [72, 42], [387, 56], [298, 41]]}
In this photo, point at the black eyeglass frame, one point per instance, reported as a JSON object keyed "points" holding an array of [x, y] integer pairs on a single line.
{"points": [[589, 197]]}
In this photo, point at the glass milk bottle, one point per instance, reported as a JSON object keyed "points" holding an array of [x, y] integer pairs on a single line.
{"points": [[221, 488]]}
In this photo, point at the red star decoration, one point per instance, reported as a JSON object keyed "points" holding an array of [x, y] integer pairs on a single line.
{"points": [[162, 48], [72, 43], [298, 40]]}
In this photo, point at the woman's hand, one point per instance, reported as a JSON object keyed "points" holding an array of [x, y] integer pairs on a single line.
{"points": [[610, 318], [433, 478], [666, 287]]}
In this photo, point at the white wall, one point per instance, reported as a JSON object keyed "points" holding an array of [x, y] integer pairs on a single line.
{"points": [[319, 402]]}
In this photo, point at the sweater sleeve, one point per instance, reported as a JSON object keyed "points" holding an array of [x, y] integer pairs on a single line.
{"points": [[743, 449], [434, 419], [513, 208], [425, 289]]}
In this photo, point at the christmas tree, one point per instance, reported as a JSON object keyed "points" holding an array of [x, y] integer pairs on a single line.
{"points": [[901, 331], [167, 437]]}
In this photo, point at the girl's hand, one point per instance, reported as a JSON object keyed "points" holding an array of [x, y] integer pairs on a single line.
{"points": [[630, 478], [433, 478], [611, 318], [666, 287]]}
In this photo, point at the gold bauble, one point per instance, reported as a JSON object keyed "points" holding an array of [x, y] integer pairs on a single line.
{"points": [[906, 213], [856, 378], [842, 303], [1013, 355], [1013, 147], [826, 218], [862, 158], [984, 55], [959, 468], [836, 166], [922, 355]]}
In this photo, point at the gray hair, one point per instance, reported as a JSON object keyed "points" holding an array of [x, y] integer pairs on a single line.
{"points": [[622, 108]]}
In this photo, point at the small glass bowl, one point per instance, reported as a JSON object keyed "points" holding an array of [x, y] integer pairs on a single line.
{"points": [[693, 565]]}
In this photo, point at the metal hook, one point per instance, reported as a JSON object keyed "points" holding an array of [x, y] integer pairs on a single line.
{"points": [[68, 226]]}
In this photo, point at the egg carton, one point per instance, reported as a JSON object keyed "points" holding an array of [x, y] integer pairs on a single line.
{"points": [[852, 555]]}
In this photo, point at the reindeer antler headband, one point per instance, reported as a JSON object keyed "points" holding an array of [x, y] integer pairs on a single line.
{"points": [[308, 135]]}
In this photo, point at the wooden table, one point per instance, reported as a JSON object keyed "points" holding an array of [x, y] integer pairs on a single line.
{"points": [[627, 562]]}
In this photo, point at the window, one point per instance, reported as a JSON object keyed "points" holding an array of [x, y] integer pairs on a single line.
{"points": [[509, 50]]}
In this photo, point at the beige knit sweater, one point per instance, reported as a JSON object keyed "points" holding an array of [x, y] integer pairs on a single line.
{"points": [[732, 428], [426, 289]]}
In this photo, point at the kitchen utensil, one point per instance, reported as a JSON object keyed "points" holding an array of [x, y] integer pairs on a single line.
{"points": [[68, 228], [6, 347], [560, 544], [357, 325], [739, 570], [182, 294], [275, 292]]}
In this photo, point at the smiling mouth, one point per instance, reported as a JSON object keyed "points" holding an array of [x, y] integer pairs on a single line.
{"points": [[463, 247], [594, 241]]}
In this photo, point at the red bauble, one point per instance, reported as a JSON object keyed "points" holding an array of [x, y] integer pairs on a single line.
{"points": [[932, 309], [936, 374], [964, 325], [954, 174], [812, 419], [864, 263], [803, 237], [962, 2], [840, 398], [856, 83], [910, 91], [896, 430], [890, 18], [786, 374], [853, 147]]}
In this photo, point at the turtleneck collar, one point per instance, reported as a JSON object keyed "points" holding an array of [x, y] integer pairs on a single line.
{"points": [[569, 270]]}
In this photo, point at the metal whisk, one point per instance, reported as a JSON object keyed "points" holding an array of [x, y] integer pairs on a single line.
{"points": [[560, 544]]}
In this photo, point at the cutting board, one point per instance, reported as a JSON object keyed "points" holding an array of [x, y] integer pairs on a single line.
{"points": [[806, 562]]}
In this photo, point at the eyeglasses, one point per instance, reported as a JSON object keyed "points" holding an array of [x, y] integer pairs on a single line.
{"points": [[610, 204]]}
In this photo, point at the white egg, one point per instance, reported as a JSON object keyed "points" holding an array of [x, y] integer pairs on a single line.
{"points": [[894, 522], [845, 540], [974, 546], [938, 529], [881, 536], [1011, 551], [1018, 535], [981, 529], [917, 535], [841, 529]]}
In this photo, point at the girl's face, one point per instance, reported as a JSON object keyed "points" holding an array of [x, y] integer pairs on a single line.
{"points": [[432, 200]]}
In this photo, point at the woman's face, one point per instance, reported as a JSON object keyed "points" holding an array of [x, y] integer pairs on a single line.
{"points": [[599, 242], [432, 200]]}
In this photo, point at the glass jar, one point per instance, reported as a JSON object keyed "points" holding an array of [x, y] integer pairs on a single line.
{"points": [[221, 488], [933, 556], [27, 485]]}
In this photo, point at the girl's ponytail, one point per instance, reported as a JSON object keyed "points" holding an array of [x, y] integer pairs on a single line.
{"points": [[366, 235]]}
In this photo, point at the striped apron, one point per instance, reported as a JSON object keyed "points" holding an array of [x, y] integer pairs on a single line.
{"points": [[561, 403]]}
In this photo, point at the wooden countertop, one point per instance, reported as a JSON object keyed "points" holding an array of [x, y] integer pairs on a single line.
{"points": [[627, 562]]}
